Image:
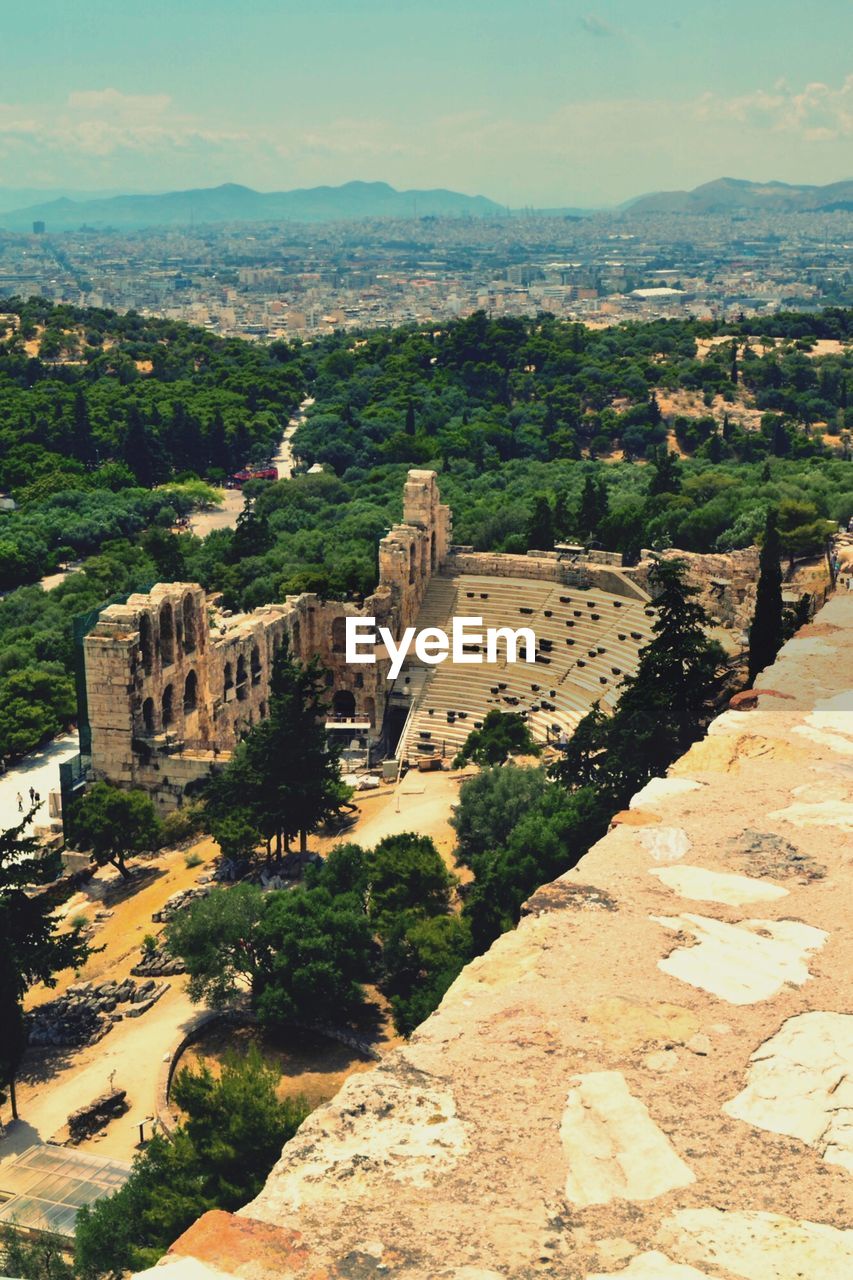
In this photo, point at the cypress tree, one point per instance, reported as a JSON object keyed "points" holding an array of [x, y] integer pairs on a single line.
{"points": [[765, 634], [593, 507], [540, 533]]}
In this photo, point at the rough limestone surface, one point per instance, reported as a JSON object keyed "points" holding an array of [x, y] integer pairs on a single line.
{"points": [[486, 1148]]}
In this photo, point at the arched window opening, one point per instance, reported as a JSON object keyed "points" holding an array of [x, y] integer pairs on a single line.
{"points": [[190, 693], [228, 683], [339, 635], [146, 643], [295, 639], [256, 666], [168, 706], [343, 704], [424, 566], [242, 681], [411, 564], [359, 680], [167, 635], [262, 710], [189, 625], [432, 550], [148, 717], [370, 710]]}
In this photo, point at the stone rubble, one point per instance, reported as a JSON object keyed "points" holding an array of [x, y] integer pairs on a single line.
{"points": [[86, 1012]]}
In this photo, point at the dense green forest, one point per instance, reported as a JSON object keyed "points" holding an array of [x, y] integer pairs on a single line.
{"points": [[636, 435]]}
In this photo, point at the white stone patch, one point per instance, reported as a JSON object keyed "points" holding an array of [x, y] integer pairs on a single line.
{"points": [[835, 714], [661, 789], [665, 844], [805, 645], [717, 886], [652, 1266], [800, 1083], [824, 813], [613, 1147], [759, 1246], [182, 1269], [377, 1128], [742, 963], [826, 790], [835, 741], [732, 721]]}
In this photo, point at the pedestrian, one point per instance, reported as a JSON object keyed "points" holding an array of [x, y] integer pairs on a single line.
{"points": [[36, 799], [20, 800], [32, 795]]}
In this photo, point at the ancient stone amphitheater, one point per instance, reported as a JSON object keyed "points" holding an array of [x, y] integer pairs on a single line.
{"points": [[587, 641], [172, 681]]}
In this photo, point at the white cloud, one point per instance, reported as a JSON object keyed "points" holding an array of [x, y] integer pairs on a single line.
{"points": [[115, 102], [817, 112], [577, 152]]}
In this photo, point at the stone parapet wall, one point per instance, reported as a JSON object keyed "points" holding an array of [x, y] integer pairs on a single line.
{"points": [[649, 1077]]}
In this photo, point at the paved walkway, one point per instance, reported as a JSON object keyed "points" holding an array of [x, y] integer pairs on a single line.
{"points": [[39, 770], [225, 516]]}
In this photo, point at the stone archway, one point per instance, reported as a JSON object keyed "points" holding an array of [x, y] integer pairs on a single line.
{"points": [[167, 635], [146, 643], [343, 704]]}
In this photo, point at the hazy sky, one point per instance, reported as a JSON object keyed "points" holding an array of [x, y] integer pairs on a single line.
{"points": [[540, 102]]}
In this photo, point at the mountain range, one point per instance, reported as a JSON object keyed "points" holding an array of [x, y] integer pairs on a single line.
{"points": [[234, 203], [231, 203], [735, 195]]}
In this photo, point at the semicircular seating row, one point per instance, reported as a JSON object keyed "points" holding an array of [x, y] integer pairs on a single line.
{"points": [[587, 642]]}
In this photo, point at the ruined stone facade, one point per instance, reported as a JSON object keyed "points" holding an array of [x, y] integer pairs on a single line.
{"points": [[172, 682], [726, 582]]}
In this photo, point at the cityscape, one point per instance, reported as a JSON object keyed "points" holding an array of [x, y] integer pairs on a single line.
{"points": [[284, 281]]}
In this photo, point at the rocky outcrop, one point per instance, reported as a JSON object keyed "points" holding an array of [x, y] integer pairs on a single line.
{"points": [[648, 1078]]}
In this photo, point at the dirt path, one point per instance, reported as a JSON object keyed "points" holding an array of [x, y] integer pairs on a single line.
{"points": [[422, 802], [51, 1086], [225, 517]]}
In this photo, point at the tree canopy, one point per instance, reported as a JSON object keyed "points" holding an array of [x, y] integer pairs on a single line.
{"points": [[218, 1158], [113, 824], [33, 946]]}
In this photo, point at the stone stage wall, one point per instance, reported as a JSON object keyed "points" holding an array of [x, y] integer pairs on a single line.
{"points": [[650, 1077], [172, 682]]}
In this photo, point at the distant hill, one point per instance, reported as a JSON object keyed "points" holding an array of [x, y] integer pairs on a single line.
{"points": [[21, 197], [734, 195], [233, 203]]}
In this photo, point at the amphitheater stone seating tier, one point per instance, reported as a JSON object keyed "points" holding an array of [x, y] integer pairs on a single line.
{"points": [[587, 642]]}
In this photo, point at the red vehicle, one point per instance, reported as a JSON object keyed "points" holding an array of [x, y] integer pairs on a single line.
{"points": [[239, 478]]}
